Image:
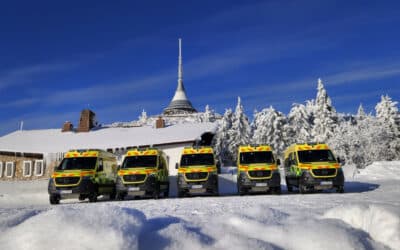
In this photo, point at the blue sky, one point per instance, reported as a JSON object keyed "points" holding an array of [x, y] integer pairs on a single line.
{"points": [[120, 57]]}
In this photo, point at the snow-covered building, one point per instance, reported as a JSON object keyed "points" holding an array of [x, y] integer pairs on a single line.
{"points": [[33, 154]]}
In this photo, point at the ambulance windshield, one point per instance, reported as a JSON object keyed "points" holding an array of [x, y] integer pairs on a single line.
{"points": [[256, 157], [78, 163], [316, 156], [140, 161], [197, 160]]}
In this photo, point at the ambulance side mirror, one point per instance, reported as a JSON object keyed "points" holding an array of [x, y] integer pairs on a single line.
{"points": [[176, 165], [278, 162]]}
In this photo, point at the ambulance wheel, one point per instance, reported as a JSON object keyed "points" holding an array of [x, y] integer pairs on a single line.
{"points": [[340, 189], [166, 192], [113, 195], [156, 192], [276, 190], [181, 193], [54, 199], [121, 196], [92, 197], [289, 187], [302, 189], [241, 192]]}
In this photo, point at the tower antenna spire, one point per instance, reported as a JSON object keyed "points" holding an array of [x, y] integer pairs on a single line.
{"points": [[180, 67], [180, 103]]}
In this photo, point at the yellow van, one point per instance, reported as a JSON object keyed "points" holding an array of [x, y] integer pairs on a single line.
{"points": [[312, 166], [197, 172], [257, 170], [82, 174], [143, 173]]}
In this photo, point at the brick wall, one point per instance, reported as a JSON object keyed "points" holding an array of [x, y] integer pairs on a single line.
{"points": [[18, 168]]}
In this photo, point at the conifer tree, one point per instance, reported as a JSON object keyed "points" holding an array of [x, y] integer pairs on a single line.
{"points": [[221, 138], [299, 124], [387, 114], [325, 117], [269, 129], [240, 133]]}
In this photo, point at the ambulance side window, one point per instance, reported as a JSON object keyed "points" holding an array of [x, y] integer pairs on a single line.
{"points": [[292, 159], [100, 168], [295, 159]]}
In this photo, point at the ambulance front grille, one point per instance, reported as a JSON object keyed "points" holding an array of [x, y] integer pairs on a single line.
{"points": [[134, 177], [67, 180], [324, 172], [196, 176], [260, 173]]}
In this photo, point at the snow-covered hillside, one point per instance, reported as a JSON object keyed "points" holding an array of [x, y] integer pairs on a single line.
{"points": [[367, 216]]}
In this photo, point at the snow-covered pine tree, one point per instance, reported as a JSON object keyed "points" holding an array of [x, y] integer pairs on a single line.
{"points": [[299, 124], [269, 129], [387, 114], [209, 114], [325, 116], [361, 113], [220, 140], [240, 133]]}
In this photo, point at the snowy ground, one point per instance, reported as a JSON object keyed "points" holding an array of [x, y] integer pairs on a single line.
{"points": [[367, 216]]}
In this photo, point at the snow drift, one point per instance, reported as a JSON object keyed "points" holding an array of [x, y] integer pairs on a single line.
{"points": [[382, 225], [88, 227]]}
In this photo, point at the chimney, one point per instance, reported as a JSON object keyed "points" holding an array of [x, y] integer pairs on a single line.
{"points": [[67, 127], [160, 123], [87, 121]]}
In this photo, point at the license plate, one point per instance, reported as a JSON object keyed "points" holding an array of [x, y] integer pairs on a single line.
{"points": [[261, 184], [133, 189], [65, 191], [326, 183], [197, 186]]}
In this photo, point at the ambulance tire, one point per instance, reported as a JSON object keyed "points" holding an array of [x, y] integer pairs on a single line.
{"points": [[121, 196], [166, 192], [289, 187], [156, 192], [276, 190], [92, 197], [54, 199], [302, 189], [113, 195], [241, 191]]}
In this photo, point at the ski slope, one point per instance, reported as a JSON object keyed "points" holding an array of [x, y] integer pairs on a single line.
{"points": [[367, 216]]}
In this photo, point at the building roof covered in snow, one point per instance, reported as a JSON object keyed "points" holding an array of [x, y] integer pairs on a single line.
{"points": [[54, 140]]}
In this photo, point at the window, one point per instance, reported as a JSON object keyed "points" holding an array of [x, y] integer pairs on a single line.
{"points": [[140, 161], [27, 169], [256, 157], [39, 167], [1, 169], [10, 169], [197, 160], [85, 163], [316, 156]]}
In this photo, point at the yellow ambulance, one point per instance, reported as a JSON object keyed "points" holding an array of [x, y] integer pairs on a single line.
{"points": [[143, 173], [197, 172], [312, 166], [83, 174], [257, 170]]}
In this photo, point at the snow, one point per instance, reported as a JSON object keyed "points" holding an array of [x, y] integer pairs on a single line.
{"points": [[366, 216], [53, 140]]}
